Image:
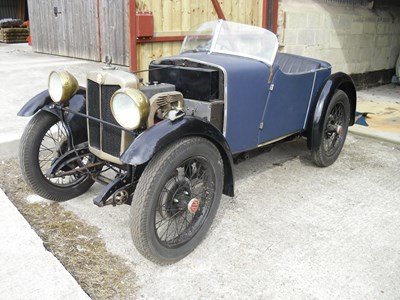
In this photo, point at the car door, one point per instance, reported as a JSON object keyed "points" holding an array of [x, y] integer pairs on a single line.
{"points": [[287, 105]]}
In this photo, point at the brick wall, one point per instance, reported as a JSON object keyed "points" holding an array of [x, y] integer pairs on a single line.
{"points": [[353, 38]]}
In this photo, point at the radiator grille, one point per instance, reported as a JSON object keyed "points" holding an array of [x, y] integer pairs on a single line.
{"points": [[93, 111], [102, 137]]}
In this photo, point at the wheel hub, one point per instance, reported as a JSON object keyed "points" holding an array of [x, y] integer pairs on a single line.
{"points": [[120, 197], [339, 130], [193, 205]]}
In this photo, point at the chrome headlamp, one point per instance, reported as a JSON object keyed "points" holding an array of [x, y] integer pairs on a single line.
{"points": [[130, 108], [62, 86]]}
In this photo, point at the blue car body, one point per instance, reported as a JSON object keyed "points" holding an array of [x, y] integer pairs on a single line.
{"points": [[261, 105], [238, 92]]}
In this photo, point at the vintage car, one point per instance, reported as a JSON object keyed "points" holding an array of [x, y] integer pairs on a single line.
{"points": [[167, 147]]}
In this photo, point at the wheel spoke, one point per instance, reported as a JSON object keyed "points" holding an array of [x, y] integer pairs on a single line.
{"points": [[193, 179], [54, 143], [332, 136]]}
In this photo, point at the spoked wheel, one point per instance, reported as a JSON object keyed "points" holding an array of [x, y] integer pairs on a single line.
{"points": [[335, 128], [176, 200], [43, 141]]}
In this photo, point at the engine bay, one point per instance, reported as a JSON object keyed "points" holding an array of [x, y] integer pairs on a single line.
{"points": [[201, 88]]}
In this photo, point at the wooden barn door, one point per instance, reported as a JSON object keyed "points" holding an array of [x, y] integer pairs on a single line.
{"points": [[65, 27]]}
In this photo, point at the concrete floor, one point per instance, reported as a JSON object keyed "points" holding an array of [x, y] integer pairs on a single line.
{"points": [[24, 74], [382, 104], [28, 270], [292, 231]]}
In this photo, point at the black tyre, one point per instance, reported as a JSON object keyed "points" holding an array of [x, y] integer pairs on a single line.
{"points": [[43, 140], [336, 124], [176, 200]]}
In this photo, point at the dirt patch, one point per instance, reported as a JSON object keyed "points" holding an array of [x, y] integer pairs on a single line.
{"points": [[77, 245]]}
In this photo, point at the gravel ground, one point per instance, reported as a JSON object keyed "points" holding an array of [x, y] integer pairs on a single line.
{"points": [[77, 245], [292, 231]]}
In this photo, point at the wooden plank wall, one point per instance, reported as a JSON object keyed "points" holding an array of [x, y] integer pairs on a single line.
{"points": [[72, 33], [175, 17], [75, 31], [114, 30], [79, 29], [42, 27]]}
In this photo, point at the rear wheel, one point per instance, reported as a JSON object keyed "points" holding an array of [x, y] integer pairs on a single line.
{"points": [[176, 200], [42, 142], [334, 132]]}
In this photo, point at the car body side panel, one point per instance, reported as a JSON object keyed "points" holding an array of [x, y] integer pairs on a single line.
{"points": [[246, 91], [290, 102], [287, 105]]}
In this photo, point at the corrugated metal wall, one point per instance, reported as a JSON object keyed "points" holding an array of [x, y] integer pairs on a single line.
{"points": [[8, 9], [14, 9]]}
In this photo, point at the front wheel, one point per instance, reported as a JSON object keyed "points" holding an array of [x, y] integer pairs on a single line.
{"points": [[43, 141], [176, 200], [334, 132]]}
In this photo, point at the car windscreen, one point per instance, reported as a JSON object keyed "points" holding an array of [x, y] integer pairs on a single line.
{"points": [[234, 39]]}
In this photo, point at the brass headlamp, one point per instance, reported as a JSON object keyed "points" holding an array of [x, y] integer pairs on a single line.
{"points": [[62, 86]]}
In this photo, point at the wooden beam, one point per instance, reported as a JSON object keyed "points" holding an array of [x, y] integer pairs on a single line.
{"points": [[99, 31], [133, 41], [218, 9], [275, 17], [270, 6], [157, 39], [265, 14], [133, 63]]}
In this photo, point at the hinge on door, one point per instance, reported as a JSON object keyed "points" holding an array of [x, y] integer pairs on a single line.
{"points": [[56, 11], [271, 87], [261, 127]]}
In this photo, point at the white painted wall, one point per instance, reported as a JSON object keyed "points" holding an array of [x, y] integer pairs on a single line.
{"points": [[353, 38]]}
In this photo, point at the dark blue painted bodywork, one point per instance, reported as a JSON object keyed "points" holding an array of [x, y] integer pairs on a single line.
{"points": [[260, 106], [36, 103], [287, 105], [166, 132], [42, 101], [246, 84], [334, 82]]}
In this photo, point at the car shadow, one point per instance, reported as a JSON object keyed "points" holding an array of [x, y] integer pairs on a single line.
{"points": [[272, 157]]}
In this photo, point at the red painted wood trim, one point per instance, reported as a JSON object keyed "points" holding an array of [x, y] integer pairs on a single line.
{"points": [[133, 63], [133, 35], [157, 39], [265, 14], [218, 9], [275, 17]]}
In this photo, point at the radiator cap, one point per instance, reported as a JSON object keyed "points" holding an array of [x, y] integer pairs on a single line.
{"points": [[108, 65]]}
